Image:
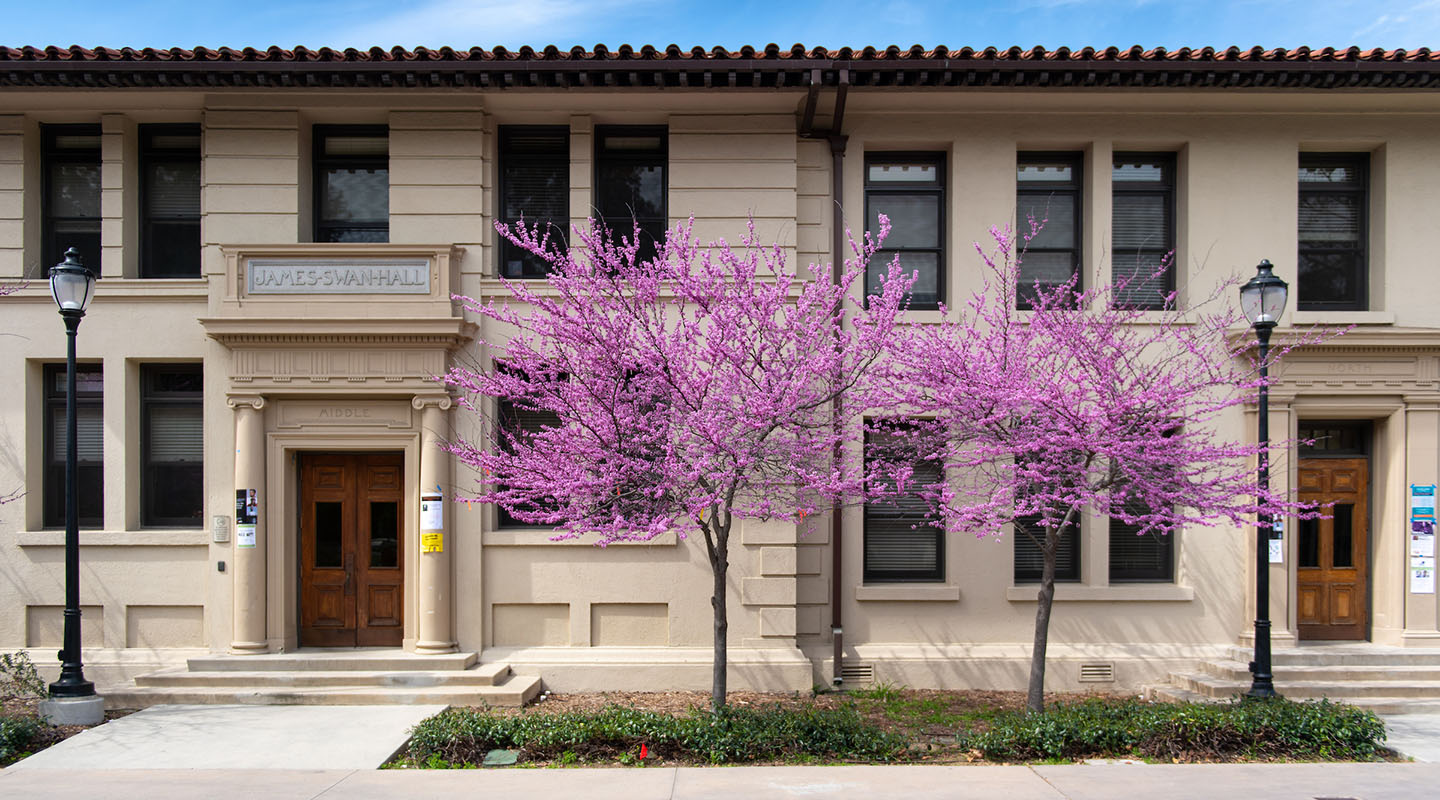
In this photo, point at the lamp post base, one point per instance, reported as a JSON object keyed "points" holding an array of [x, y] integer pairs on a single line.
{"points": [[73, 710]]}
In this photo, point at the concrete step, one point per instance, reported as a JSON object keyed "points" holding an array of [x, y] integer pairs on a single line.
{"points": [[481, 675], [379, 660], [1354, 655], [1221, 688], [515, 691], [1341, 673], [1379, 705]]}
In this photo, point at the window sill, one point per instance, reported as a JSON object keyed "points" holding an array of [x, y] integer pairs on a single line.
{"points": [[1342, 318], [1117, 593], [524, 538], [908, 592], [159, 537]]}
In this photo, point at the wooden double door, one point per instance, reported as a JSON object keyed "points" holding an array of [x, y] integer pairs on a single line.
{"points": [[352, 536], [1332, 562]]}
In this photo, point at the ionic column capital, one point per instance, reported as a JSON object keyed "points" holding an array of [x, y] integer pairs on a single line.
{"points": [[255, 401], [440, 401]]}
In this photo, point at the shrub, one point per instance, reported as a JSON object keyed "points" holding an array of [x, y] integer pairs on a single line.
{"points": [[1184, 731], [19, 678], [463, 736], [15, 736]]}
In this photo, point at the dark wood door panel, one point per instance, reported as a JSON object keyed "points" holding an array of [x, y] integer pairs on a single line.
{"points": [[1332, 570]]}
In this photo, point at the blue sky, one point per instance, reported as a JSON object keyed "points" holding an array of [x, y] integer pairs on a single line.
{"points": [[730, 23]]}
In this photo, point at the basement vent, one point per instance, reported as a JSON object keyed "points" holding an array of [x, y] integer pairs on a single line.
{"points": [[856, 675], [1097, 673]]}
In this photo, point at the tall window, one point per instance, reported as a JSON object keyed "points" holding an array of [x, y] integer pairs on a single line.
{"points": [[631, 182], [1334, 200], [1143, 221], [352, 183], [170, 201], [172, 485], [1137, 557], [519, 423], [1048, 190], [534, 186], [1030, 561], [901, 543], [71, 213], [909, 188], [89, 445]]}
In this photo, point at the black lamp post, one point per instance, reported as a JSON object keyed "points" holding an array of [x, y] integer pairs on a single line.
{"points": [[71, 284], [1262, 299]]}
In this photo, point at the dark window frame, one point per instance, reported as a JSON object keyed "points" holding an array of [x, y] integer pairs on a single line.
{"points": [[1163, 569], [1362, 430], [150, 154], [1071, 539], [1166, 189], [151, 485], [53, 478], [323, 229], [506, 413], [875, 512], [1048, 189], [937, 189], [506, 159], [52, 249], [660, 157], [1360, 189]]}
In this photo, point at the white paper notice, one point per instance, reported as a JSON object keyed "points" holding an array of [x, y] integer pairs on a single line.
{"points": [[244, 535], [1277, 551], [1422, 578], [1422, 545], [432, 513]]}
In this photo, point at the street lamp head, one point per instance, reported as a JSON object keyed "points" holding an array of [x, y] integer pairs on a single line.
{"points": [[71, 283], [1262, 298]]}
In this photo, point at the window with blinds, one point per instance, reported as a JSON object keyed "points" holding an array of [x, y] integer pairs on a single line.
{"points": [[1332, 268], [1142, 219], [172, 482], [631, 184], [170, 201], [71, 176], [909, 188], [901, 541], [1047, 189], [1136, 557], [89, 445], [517, 425], [1030, 561], [535, 188], [352, 183]]}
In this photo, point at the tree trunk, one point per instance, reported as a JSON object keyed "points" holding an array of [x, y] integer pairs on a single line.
{"points": [[719, 565], [1035, 698]]}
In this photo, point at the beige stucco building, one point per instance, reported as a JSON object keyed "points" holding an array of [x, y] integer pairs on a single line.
{"points": [[279, 234]]}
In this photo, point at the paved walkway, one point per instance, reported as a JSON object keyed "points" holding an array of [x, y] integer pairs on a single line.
{"points": [[1415, 735], [1079, 782], [237, 737]]}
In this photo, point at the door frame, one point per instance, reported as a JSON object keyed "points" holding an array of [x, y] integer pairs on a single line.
{"points": [[1365, 452], [282, 519]]}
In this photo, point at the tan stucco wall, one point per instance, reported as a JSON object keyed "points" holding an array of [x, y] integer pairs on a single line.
{"points": [[591, 618]]}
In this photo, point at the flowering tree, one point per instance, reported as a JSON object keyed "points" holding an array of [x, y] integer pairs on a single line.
{"points": [[678, 394], [1080, 404]]}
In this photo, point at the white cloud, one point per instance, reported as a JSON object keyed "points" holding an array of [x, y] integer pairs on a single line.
{"points": [[466, 23]]}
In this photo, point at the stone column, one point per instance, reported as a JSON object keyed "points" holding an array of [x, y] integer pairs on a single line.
{"points": [[248, 557], [436, 631], [1422, 466]]}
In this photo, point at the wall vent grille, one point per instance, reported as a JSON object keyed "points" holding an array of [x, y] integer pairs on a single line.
{"points": [[856, 674], [1097, 673]]}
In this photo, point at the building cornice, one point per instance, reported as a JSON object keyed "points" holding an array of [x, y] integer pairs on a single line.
{"points": [[411, 332]]}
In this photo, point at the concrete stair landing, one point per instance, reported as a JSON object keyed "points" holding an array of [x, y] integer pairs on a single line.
{"points": [[1386, 680], [330, 677]]}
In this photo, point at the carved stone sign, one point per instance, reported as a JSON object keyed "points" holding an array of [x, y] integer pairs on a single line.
{"points": [[368, 414], [337, 276]]}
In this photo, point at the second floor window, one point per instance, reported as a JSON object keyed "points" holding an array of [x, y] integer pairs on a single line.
{"points": [[1048, 191], [1143, 228], [71, 155], [352, 183], [631, 166], [909, 188], [170, 201], [1332, 267], [535, 188]]}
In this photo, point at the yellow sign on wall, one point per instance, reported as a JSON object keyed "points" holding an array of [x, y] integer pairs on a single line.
{"points": [[432, 542]]}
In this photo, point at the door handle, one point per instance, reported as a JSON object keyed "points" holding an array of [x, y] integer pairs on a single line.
{"points": [[349, 574]]}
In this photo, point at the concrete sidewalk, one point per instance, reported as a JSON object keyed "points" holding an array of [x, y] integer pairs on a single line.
{"points": [[1078, 782], [238, 738]]}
